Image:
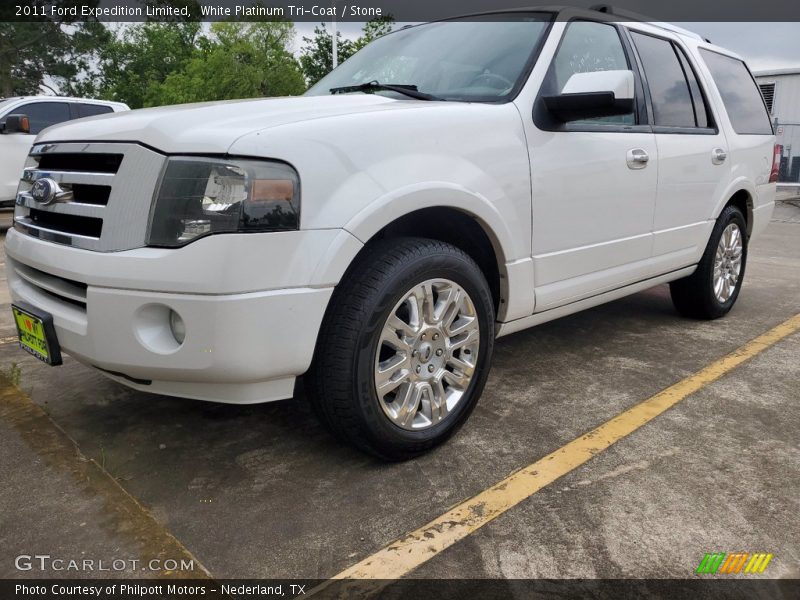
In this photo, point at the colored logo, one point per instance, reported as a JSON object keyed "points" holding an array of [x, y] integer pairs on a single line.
{"points": [[721, 563]]}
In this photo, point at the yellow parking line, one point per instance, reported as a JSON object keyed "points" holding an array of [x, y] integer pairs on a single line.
{"points": [[409, 552]]}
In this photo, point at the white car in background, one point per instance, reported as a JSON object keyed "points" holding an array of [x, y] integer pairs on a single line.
{"points": [[42, 112]]}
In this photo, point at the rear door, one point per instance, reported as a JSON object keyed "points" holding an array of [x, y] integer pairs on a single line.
{"points": [[693, 162], [749, 132]]}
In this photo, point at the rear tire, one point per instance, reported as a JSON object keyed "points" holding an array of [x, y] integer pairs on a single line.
{"points": [[405, 347], [711, 291]]}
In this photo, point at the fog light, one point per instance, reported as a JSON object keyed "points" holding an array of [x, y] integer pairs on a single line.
{"points": [[177, 326]]}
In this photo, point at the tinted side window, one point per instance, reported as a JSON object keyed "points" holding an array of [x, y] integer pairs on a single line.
{"points": [[587, 46], [90, 110], [669, 90], [739, 92], [44, 114]]}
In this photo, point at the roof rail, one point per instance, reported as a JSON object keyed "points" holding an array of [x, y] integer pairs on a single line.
{"points": [[634, 16]]}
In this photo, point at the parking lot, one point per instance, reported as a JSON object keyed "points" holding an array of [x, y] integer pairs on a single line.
{"points": [[93, 469]]}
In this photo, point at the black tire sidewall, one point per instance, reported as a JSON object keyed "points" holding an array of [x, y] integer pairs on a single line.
{"points": [[730, 215], [383, 432]]}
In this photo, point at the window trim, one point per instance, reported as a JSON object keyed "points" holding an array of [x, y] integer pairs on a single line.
{"points": [[73, 111], [687, 68], [539, 112], [525, 75], [665, 129]]}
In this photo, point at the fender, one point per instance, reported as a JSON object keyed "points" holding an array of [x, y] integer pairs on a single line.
{"points": [[378, 214], [517, 274]]}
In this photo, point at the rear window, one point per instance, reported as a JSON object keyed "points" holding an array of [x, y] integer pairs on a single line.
{"points": [[739, 92], [91, 110]]}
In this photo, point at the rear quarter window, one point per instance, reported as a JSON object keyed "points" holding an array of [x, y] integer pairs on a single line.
{"points": [[740, 94], [91, 110]]}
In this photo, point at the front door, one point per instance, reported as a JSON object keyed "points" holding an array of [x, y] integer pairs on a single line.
{"points": [[593, 182]]}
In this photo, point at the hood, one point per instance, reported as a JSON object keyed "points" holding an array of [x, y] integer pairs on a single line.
{"points": [[213, 127]]}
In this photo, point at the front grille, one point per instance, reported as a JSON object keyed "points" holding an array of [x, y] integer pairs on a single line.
{"points": [[85, 162], [91, 194], [66, 223], [103, 194]]}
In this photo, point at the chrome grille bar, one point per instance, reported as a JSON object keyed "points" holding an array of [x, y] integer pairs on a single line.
{"points": [[79, 209], [31, 174], [115, 213]]}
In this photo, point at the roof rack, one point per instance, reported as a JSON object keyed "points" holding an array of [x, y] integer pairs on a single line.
{"points": [[634, 16]]}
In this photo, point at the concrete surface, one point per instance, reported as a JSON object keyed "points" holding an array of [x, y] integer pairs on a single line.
{"points": [[6, 219], [788, 192], [70, 505], [264, 491]]}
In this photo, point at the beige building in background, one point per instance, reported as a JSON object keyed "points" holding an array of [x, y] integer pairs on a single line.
{"points": [[781, 91]]}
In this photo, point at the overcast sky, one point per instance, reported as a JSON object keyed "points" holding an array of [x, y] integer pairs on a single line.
{"points": [[762, 45]]}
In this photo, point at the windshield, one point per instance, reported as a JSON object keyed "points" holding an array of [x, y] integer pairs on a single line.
{"points": [[466, 59]]}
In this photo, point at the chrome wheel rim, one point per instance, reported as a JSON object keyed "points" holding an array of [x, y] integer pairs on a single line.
{"points": [[728, 262], [427, 354]]}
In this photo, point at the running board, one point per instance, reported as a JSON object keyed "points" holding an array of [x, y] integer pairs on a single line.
{"points": [[573, 307]]}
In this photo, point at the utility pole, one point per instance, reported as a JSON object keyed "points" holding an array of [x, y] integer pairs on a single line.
{"points": [[335, 37]]}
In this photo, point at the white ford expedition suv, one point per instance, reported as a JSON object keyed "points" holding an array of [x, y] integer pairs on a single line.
{"points": [[450, 183]]}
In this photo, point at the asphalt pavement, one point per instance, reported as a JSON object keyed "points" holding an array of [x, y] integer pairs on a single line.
{"points": [[94, 469]]}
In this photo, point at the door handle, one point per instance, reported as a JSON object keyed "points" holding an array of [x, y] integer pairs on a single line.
{"points": [[718, 156], [637, 158]]}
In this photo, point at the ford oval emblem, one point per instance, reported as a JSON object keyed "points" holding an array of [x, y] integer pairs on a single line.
{"points": [[44, 190]]}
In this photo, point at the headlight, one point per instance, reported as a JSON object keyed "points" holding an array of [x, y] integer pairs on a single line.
{"points": [[201, 196]]}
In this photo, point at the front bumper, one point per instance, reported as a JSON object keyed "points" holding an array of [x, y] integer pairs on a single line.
{"points": [[110, 310]]}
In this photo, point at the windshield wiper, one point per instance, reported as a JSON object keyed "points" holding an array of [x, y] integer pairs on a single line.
{"points": [[405, 89]]}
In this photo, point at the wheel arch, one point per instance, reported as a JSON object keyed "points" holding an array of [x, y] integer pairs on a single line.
{"points": [[740, 195], [450, 215]]}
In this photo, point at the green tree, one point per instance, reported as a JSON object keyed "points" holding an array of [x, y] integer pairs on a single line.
{"points": [[46, 53], [135, 64], [373, 29], [238, 60], [316, 56]]}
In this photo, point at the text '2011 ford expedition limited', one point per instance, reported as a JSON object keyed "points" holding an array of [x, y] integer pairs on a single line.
{"points": [[450, 183]]}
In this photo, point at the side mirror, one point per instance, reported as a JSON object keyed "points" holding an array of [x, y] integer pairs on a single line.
{"points": [[593, 95], [17, 124]]}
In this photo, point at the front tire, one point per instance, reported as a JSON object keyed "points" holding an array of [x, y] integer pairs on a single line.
{"points": [[405, 347], [711, 291]]}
